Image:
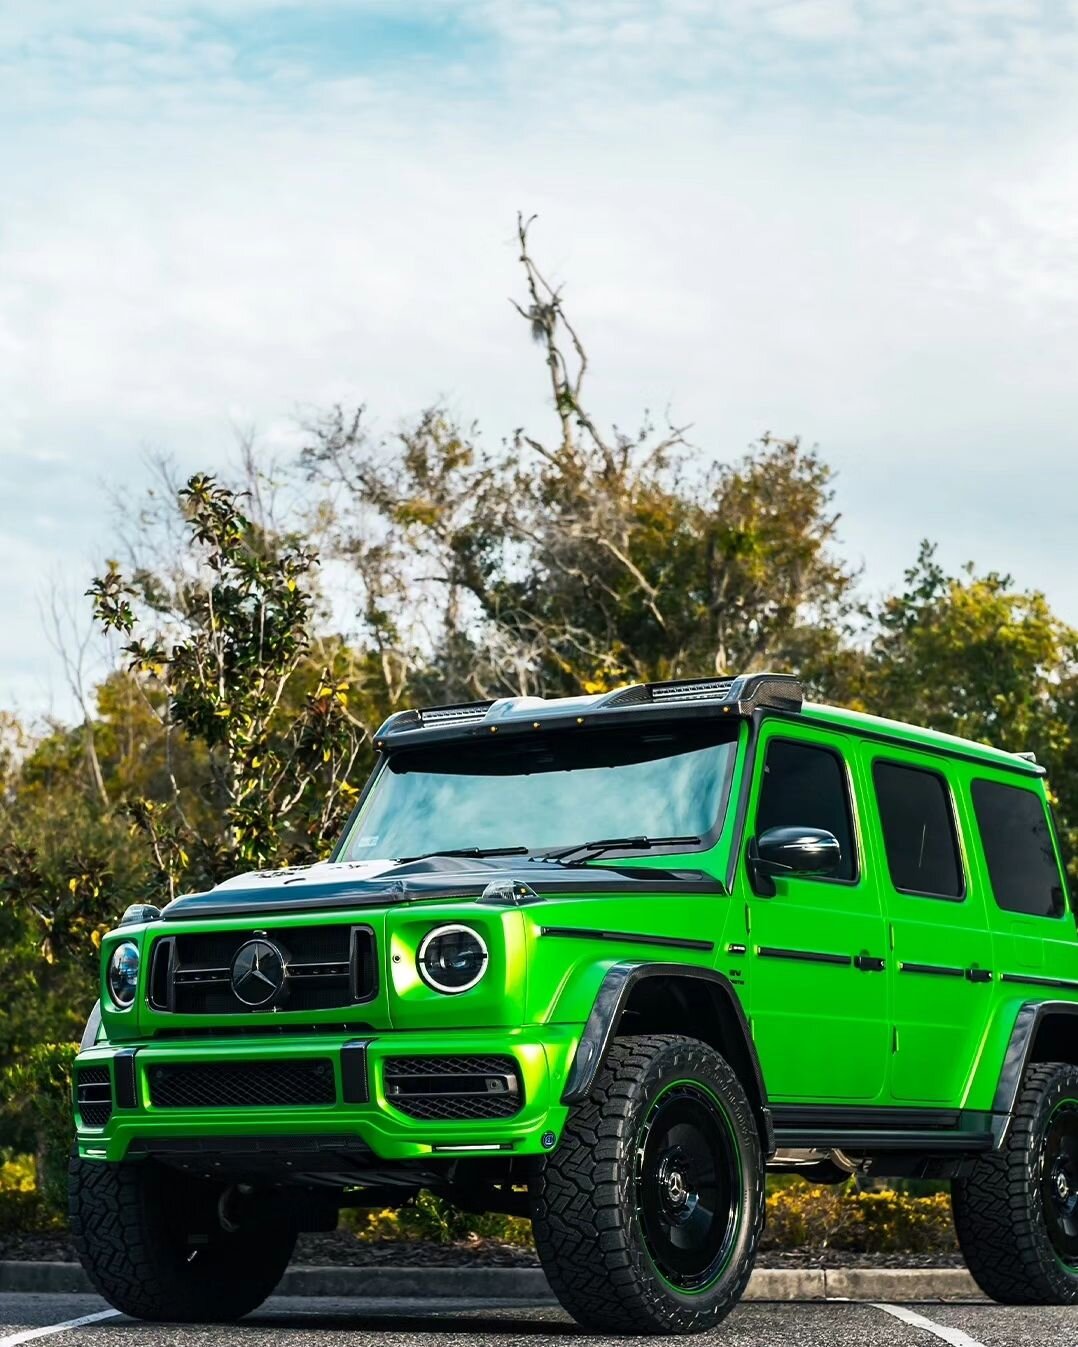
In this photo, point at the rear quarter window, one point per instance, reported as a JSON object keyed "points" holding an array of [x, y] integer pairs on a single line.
{"points": [[1017, 842], [917, 818]]}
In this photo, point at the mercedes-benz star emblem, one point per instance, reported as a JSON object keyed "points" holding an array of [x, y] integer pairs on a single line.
{"points": [[258, 973]]}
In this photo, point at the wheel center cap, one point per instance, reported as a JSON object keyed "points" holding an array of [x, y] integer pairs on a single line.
{"points": [[676, 1191]]}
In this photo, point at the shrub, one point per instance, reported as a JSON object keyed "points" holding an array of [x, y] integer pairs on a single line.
{"points": [[804, 1215], [800, 1215], [37, 1094], [21, 1206], [432, 1220]]}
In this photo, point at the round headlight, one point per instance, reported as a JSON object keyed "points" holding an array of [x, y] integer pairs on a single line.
{"points": [[123, 973], [452, 958]]}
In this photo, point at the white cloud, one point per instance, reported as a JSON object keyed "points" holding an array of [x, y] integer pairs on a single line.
{"points": [[861, 228], [815, 20]]}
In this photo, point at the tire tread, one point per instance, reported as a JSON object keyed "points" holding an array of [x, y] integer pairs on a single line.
{"points": [[583, 1228], [996, 1209], [115, 1226]]}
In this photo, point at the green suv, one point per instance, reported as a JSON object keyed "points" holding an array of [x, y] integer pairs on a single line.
{"points": [[602, 961]]}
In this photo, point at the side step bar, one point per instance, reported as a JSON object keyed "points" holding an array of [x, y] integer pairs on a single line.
{"points": [[858, 1140]]}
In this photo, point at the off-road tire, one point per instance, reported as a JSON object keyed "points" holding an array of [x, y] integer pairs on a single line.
{"points": [[132, 1223], [1000, 1208], [589, 1221]]}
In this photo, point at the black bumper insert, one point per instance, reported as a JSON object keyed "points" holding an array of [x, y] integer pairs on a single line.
{"points": [[268, 1084]]}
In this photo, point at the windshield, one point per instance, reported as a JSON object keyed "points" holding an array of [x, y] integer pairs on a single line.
{"points": [[561, 788]]}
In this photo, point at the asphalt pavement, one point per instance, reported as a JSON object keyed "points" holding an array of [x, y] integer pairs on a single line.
{"points": [[287, 1321]]}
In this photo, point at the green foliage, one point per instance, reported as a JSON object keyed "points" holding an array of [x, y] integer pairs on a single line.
{"points": [[22, 1210], [230, 662], [570, 565], [432, 1220], [993, 655], [973, 656], [37, 1101], [804, 1215], [800, 1215]]}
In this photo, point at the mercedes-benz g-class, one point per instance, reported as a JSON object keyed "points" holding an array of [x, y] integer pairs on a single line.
{"points": [[603, 961]]}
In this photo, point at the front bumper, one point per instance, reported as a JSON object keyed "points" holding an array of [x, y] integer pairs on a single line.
{"points": [[542, 1055]]}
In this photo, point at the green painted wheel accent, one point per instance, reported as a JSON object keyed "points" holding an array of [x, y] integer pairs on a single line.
{"points": [[1059, 1182], [688, 1187]]}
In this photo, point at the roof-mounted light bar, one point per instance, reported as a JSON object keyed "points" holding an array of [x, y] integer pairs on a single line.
{"points": [[781, 692], [460, 713], [445, 715]]}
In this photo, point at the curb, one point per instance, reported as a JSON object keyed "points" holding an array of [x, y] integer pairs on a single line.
{"points": [[529, 1285]]}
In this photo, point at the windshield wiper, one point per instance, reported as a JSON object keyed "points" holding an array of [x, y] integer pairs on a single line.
{"points": [[619, 843], [465, 851]]}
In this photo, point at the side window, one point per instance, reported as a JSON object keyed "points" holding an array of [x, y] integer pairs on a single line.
{"points": [[1018, 848], [805, 786], [918, 830]]}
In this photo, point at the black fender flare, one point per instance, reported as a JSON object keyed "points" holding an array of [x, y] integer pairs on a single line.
{"points": [[1020, 1047], [606, 1011]]}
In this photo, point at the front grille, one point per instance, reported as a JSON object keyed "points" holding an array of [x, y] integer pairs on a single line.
{"points": [[93, 1095], [243, 1084], [324, 968], [449, 1088]]}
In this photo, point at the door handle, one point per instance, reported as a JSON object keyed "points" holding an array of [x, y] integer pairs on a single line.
{"points": [[869, 963], [979, 974]]}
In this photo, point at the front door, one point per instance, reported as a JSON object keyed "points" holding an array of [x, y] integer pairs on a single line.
{"points": [[817, 949]]}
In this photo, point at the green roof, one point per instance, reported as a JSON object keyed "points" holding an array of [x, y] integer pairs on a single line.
{"points": [[860, 723]]}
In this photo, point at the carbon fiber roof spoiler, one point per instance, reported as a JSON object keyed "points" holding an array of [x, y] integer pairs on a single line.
{"points": [[738, 695]]}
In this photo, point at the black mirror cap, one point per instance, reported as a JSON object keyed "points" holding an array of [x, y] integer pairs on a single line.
{"points": [[792, 851]]}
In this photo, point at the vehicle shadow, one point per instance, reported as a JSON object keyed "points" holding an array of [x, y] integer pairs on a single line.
{"points": [[450, 1323], [456, 1322]]}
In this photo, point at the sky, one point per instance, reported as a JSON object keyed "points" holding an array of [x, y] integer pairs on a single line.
{"points": [[851, 220]]}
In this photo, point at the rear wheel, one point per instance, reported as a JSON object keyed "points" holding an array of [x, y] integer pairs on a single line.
{"points": [[165, 1246], [1017, 1213], [648, 1214]]}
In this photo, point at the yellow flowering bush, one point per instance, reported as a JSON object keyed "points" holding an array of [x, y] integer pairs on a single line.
{"points": [[874, 1220]]}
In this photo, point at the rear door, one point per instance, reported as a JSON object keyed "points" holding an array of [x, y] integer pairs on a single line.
{"points": [[940, 948], [818, 993]]}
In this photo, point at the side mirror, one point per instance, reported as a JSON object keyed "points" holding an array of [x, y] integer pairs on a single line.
{"points": [[791, 851]]}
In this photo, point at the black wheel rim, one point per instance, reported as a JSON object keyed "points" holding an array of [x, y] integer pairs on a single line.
{"points": [[1060, 1181], [688, 1182]]}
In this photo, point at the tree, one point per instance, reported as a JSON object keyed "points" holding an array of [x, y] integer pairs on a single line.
{"points": [[972, 655], [224, 659], [969, 655], [576, 563]]}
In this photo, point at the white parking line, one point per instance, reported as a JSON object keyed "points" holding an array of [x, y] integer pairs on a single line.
{"points": [[28, 1334], [954, 1336]]}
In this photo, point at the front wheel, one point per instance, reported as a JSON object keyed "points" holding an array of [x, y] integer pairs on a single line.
{"points": [[1016, 1214], [164, 1246], [648, 1214]]}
